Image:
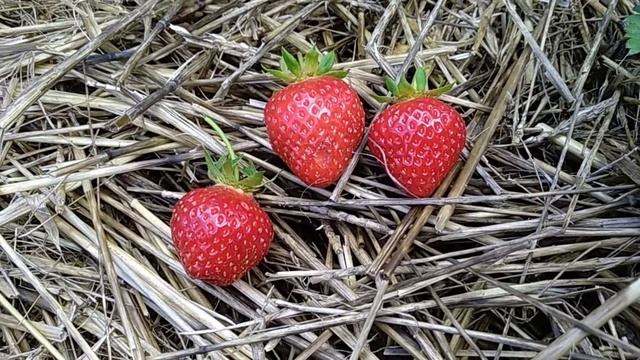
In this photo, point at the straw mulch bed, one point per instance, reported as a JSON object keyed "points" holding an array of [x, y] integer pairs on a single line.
{"points": [[528, 251]]}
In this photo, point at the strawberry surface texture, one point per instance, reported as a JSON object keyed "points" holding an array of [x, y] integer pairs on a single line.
{"points": [[418, 141], [220, 233], [315, 126]]}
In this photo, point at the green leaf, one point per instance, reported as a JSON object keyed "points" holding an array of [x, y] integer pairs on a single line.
{"points": [[391, 86], [292, 64], [326, 63], [420, 79], [633, 44], [632, 29], [632, 25], [632, 20], [633, 33], [636, 8]]}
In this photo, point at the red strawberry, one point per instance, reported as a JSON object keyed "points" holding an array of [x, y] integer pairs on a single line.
{"points": [[221, 232], [419, 138], [315, 123]]}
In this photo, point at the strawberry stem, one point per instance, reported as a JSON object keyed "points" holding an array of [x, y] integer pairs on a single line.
{"points": [[306, 66], [220, 133], [228, 169]]}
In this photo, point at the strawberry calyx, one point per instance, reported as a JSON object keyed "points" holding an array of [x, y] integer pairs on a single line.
{"points": [[228, 168], [419, 87], [306, 66]]}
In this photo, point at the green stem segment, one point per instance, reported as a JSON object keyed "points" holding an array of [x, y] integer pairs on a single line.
{"points": [[419, 87], [229, 169], [220, 133], [306, 66]]}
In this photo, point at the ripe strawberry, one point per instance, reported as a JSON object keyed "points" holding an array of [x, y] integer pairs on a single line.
{"points": [[221, 232], [419, 138], [316, 122]]}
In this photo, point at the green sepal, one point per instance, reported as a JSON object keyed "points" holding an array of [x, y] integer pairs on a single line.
{"points": [[212, 170], [301, 67], [439, 90], [310, 62], [384, 99], [290, 62], [253, 177], [428, 68], [283, 65], [326, 62], [392, 86], [403, 90], [420, 80], [229, 168], [284, 76], [340, 74]]}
